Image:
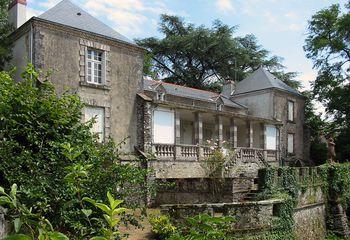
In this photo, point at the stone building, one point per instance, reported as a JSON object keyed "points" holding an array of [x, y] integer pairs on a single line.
{"points": [[260, 117]]}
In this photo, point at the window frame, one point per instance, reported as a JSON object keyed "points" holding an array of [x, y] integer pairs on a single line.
{"points": [[102, 63], [288, 111]]}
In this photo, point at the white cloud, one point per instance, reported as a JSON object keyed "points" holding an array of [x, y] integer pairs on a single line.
{"points": [[291, 15], [48, 3], [32, 13], [225, 6], [307, 78], [269, 17]]}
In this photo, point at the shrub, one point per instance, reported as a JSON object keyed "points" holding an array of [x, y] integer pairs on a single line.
{"points": [[53, 157], [162, 227]]}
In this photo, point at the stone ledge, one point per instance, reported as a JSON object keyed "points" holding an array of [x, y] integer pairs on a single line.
{"points": [[90, 85]]}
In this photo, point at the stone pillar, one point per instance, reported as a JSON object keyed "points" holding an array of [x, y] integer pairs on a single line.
{"points": [[249, 134], [198, 133], [263, 137], [278, 145], [263, 128], [177, 134], [147, 127], [218, 129], [198, 128], [233, 133]]}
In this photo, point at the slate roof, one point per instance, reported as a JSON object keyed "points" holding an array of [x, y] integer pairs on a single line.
{"points": [[187, 92], [262, 79], [69, 14]]}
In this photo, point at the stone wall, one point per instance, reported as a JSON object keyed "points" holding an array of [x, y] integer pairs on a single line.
{"points": [[62, 50]]}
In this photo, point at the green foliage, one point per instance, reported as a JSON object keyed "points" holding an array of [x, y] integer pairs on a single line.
{"points": [[162, 226], [26, 224], [182, 55], [110, 221], [205, 227], [5, 29], [54, 158]]}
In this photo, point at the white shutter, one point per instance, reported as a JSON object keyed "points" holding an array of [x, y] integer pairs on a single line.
{"points": [[99, 115], [290, 143], [163, 126], [271, 137]]}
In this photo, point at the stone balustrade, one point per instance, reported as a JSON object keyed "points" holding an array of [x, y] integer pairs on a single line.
{"points": [[196, 152]]}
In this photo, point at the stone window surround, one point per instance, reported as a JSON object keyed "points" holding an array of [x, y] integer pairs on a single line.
{"points": [[84, 46], [107, 109]]}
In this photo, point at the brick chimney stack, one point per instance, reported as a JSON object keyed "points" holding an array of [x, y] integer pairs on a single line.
{"points": [[17, 12]]}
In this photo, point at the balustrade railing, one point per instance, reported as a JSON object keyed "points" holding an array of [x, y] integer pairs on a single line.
{"points": [[195, 152], [164, 150]]}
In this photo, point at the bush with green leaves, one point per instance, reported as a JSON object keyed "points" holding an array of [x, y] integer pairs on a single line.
{"points": [[162, 227], [54, 158], [203, 227], [26, 224]]}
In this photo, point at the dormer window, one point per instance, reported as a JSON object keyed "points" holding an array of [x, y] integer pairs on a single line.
{"points": [[219, 106], [160, 96], [95, 67]]}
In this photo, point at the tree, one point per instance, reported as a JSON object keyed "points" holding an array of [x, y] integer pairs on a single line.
{"points": [[54, 158], [201, 57], [328, 45], [5, 29]]}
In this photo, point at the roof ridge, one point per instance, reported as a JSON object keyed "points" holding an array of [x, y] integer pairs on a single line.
{"points": [[196, 89]]}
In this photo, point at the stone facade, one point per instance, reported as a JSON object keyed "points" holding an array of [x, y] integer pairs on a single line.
{"points": [[62, 51]]}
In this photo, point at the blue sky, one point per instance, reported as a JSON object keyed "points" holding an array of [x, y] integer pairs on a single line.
{"points": [[279, 25]]}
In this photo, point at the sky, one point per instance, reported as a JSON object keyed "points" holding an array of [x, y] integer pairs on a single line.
{"points": [[279, 25]]}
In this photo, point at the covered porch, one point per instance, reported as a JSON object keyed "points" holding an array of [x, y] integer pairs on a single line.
{"points": [[183, 135]]}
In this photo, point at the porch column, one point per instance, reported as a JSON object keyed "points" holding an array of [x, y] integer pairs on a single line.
{"points": [[233, 133], [177, 134], [198, 133], [250, 134], [278, 145], [218, 129], [263, 126], [198, 128]]}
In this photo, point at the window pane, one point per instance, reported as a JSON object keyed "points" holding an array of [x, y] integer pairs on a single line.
{"points": [[290, 143], [290, 111], [271, 133]]}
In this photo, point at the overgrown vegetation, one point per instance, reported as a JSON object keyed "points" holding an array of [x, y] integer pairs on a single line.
{"points": [[55, 159], [203, 226]]}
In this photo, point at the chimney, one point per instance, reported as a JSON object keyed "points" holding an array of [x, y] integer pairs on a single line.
{"points": [[228, 88], [17, 12]]}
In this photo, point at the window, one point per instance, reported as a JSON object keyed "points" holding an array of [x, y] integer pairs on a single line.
{"points": [[271, 141], [163, 126], [98, 114], [219, 106], [160, 96], [290, 111], [290, 143], [95, 66]]}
